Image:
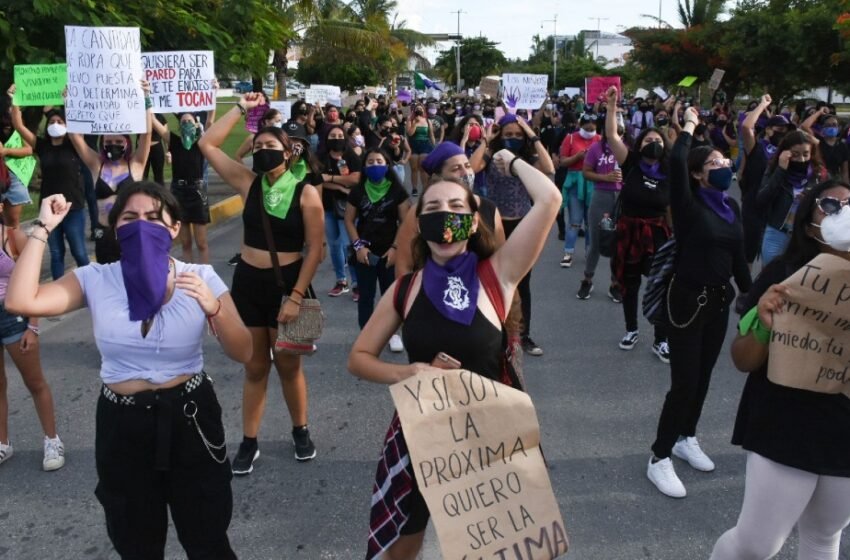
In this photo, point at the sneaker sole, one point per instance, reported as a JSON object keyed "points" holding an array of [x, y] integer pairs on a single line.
{"points": [[303, 459], [578, 296], [337, 295], [696, 468], [566, 265], [250, 467], [626, 347], [660, 357], [49, 468]]}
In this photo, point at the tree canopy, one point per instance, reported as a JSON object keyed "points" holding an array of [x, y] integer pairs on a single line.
{"points": [[479, 57]]}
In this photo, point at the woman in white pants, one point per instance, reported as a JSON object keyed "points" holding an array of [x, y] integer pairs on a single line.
{"points": [[798, 460]]}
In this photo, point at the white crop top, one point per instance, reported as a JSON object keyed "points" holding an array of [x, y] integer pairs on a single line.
{"points": [[174, 344]]}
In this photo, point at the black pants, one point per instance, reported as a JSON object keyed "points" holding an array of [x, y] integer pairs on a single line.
{"points": [[693, 353], [369, 279], [156, 163], [632, 273], [753, 222], [524, 286], [150, 458]]}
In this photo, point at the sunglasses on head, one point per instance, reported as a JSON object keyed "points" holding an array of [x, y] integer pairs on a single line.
{"points": [[719, 162], [830, 205]]}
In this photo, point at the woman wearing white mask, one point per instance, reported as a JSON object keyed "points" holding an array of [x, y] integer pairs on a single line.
{"points": [[798, 447], [356, 141], [60, 174]]}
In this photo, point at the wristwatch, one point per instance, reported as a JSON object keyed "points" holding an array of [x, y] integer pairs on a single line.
{"points": [[534, 139]]}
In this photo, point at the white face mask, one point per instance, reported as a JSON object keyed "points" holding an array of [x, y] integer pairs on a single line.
{"points": [[468, 180], [57, 130], [586, 134], [358, 140], [835, 230], [278, 124]]}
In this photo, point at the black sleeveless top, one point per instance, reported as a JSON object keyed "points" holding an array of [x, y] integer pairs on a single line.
{"points": [[288, 234], [425, 333], [103, 190]]}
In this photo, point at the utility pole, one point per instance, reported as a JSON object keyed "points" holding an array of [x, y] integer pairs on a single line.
{"points": [[457, 53], [659, 14], [599, 21], [554, 49]]}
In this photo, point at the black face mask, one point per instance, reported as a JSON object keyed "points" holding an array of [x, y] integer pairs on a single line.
{"points": [[699, 130], [653, 150], [662, 121], [385, 131], [798, 167], [265, 160], [336, 144], [351, 118], [114, 152], [302, 112], [777, 137]]}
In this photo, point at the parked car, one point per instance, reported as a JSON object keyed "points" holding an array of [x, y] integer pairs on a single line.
{"points": [[243, 87]]}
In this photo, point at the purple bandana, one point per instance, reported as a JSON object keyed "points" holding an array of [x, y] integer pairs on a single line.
{"points": [[652, 171], [453, 288], [718, 201], [144, 266]]}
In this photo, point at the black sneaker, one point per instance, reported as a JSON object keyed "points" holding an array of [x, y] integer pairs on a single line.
{"points": [[585, 289], [243, 463], [615, 294], [629, 340], [530, 347], [304, 448], [235, 259], [414, 193], [567, 261]]}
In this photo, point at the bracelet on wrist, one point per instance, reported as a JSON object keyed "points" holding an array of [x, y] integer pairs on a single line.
{"points": [[298, 303], [511, 166], [217, 311], [42, 225], [210, 326], [360, 244], [750, 324], [297, 291], [34, 236], [242, 109], [534, 139]]}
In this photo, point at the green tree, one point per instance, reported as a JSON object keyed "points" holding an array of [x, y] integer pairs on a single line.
{"points": [[479, 57], [700, 13]]}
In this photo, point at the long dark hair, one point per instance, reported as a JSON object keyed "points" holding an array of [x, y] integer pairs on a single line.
{"points": [[696, 160], [482, 242], [795, 138], [457, 132], [802, 247], [527, 151], [167, 203]]}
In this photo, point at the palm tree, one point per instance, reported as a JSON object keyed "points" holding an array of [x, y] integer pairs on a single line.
{"points": [[701, 12]]}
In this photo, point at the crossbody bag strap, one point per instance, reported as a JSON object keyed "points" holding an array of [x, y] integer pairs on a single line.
{"points": [[267, 228], [493, 288]]}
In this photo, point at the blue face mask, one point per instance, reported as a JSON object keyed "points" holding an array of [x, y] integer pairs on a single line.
{"points": [[830, 132], [720, 179], [513, 144], [376, 173]]}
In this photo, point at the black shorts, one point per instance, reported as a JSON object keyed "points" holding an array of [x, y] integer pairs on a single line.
{"points": [[194, 204], [256, 294]]}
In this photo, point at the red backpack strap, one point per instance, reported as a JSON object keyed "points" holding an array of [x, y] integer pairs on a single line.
{"points": [[402, 292], [492, 287]]}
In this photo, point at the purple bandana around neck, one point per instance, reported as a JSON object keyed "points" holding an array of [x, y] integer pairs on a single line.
{"points": [[453, 288], [144, 266], [718, 201], [798, 182], [652, 171], [769, 149]]}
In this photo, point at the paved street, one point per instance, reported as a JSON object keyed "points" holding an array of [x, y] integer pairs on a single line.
{"points": [[597, 406]]}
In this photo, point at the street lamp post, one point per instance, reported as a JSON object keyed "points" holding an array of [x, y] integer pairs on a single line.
{"points": [[457, 52], [554, 49], [598, 20]]}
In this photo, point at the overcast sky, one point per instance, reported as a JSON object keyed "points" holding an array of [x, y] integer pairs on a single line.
{"points": [[512, 24]]}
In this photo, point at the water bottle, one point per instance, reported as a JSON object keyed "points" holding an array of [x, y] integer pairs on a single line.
{"points": [[607, 224], [342, 165]]}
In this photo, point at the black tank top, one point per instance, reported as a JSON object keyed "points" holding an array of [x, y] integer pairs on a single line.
{"points": [[487, 211], [103, 190], [288, 234], [425, 333]]}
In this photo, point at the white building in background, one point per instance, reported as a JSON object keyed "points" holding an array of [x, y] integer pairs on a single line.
{"points": [[611, 47]]}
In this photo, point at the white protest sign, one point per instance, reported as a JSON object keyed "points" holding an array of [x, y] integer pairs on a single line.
{"points": [[104, 71], [474, 449], [716, 78], [285, 108], [642, 93], [180, 80], [524, 91], [323, 94], [661, 93], [570, 92]]}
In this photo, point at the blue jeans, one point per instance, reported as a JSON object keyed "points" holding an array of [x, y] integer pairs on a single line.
{"points": [[578, 216], [369, 276], [71, 228], [91, 199], [400, 171], [338, 243], [773, 244]]}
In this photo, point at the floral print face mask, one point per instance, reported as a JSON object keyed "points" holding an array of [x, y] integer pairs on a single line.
{"points": [[445, 227]]}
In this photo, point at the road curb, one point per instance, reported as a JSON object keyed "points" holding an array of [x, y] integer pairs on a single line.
{"points": [[226, 209]]}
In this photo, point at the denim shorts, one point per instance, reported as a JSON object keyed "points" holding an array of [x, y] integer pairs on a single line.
{"points": [[12, 327], [17, 193]]}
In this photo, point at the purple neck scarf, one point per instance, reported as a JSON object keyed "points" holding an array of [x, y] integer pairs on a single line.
{"points": [[769, 149], [718, 201], [453, 288], [652, 171], [144, 266]]}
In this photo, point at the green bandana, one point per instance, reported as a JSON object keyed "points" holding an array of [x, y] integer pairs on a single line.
{"points": [[377, 191], [277, 198], [188, 134]]}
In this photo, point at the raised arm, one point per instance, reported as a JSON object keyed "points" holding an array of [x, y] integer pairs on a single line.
{"points": [[160, 128], [680, 190], [143, 149], [810, 122], [748, 127], [18, 124], [516, 257], [233, 172], [618, 147], [544, 160]]}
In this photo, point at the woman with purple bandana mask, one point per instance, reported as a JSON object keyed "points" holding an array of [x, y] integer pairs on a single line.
{"points": [[833, 151], [159, 440], [447, 298]]}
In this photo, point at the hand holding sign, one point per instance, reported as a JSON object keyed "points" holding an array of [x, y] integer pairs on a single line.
{"points": [[771, 303]]}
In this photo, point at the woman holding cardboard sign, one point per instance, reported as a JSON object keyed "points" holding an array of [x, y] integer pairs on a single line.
{"points": [[459, 297], [798, 446]]}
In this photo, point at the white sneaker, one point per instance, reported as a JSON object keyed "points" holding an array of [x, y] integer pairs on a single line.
{"points": [[663, 476], [688, 449], [6, 451], [54, 454], [396, 345]]}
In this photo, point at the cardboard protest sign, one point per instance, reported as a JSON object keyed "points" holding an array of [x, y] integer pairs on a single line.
{"points": [[40, 84], [180, 80], [254, 116], [810, 340], [104, 73], [524, 91], [323, 94], [474, 448], [596, 87], [716, 78], [489, 86], [285, 108], [22, 167]]}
